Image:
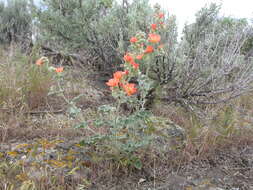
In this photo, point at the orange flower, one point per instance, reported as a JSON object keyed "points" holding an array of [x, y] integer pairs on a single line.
{"points": [[40, 61], [119, 74], [153, 26], [113, 82], [154, 38], [139, 57], [133, 40], [59, 69], [161, 15], [149, 49], [128, 58], [135, 65], [130, 88]]}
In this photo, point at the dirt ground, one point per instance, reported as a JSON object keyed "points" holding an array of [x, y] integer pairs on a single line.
{"points": [[226, 168]]}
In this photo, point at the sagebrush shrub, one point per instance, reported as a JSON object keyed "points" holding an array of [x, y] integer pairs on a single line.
{"points": [[102, 28], [15, 21]]}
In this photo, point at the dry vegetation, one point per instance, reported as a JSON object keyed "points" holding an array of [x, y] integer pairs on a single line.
{"points": [[40, 146]]}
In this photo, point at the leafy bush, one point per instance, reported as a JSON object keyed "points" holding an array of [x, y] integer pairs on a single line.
{"points": [[15, 21], [100, 27], [135, 131], [125, 139]]}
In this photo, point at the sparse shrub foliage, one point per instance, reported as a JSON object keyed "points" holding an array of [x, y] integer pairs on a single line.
{"points": [[15, 21], [102, 28]]}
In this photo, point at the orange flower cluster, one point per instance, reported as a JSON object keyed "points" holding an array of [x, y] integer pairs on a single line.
{"points": [[133, 40], [118, 79], [59, 69], [121, 82], [139, 57], [129, 88], [128, 58], [40, 61], [149, 49], [154, 38], [113, 82], [154, 26], [119, 74], [160, 21], [135, 65]]}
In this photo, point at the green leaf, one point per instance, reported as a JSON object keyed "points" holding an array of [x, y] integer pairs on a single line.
{"points": [[99, 123], [81, 125], [73, 111], [82, 143], [138, 164], [93, 140], [106, 109]]}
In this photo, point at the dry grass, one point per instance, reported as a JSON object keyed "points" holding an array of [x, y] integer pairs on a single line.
{"points": [[224, 125], [23, 86]]}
